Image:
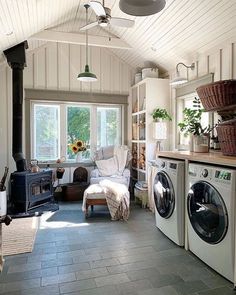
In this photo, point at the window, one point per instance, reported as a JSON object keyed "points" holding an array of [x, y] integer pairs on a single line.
{"points": [[182, 103], [108, 125], [56, 126], [46, 132]]}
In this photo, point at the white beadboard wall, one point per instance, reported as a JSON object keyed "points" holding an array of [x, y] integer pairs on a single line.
{"points": [[55, 66], [221, 61]]}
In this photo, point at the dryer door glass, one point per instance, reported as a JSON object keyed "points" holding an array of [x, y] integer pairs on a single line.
{"points": [[207, 212], [164, 195]]}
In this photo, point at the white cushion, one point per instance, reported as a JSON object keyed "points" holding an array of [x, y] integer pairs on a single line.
{"points": [[107, 167]]}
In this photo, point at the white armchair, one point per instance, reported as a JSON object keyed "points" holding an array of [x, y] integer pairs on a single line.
{"points": [[112, 162]]}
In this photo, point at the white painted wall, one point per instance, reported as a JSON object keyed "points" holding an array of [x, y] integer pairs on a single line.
{"points": [[221, 61], [56, 66]]}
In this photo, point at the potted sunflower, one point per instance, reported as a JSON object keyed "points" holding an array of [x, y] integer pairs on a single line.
{"points": [[78, 147]]}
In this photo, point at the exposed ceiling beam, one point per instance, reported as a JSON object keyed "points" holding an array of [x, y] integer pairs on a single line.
{"points": [[74, 38]]}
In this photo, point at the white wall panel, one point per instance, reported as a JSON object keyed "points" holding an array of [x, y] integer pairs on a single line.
{"points": [[95, 58], [51, 66], [75, 67], [63, 66], [28, 72], [40, 69]]}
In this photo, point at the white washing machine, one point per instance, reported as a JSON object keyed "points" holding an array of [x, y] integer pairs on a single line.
{"points": [[211, 216], [169, 199]]}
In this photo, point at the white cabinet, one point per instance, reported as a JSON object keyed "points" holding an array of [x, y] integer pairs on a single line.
{"points": [[147, 95]]}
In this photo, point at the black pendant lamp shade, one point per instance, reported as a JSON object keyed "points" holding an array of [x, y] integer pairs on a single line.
{"points": [[141, 7], [87, 76]]}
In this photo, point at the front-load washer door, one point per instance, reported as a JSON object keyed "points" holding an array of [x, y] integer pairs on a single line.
{"points": [[207, 212], [164, 196]]}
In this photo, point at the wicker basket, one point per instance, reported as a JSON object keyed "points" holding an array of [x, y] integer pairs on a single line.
{"points": [[217, 95], [226, 132]]}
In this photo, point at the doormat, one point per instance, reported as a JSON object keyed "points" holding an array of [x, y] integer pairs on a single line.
{"points": [[19, 236]]}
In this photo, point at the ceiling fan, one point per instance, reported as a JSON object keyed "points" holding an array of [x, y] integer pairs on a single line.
{"points": [[104, 17]]}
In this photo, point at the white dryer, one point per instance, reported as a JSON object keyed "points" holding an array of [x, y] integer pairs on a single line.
{"points": [[169, 199], [211, 216]]}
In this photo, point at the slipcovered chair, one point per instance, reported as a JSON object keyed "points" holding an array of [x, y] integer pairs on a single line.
{"points": [[112, 163]]}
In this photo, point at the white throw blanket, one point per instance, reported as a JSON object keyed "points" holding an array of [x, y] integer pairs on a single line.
{"points": [[117, 197]]}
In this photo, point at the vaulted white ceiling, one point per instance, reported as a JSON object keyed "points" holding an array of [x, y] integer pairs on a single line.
{"points": [[184, 29]]}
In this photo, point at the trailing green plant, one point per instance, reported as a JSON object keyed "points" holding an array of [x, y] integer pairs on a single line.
{"points": [[192, 120], [160, 114]]}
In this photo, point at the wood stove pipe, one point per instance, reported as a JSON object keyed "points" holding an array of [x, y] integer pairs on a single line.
{"points": [[17, 61]]}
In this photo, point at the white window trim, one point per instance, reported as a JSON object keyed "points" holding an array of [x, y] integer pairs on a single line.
{"points": [[63, 123]]}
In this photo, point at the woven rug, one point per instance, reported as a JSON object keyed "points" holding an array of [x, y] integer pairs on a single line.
{"points": [[19, 236]]}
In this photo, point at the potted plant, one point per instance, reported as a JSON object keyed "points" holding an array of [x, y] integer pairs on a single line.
{"points": [[191, 125], [160, 115]]}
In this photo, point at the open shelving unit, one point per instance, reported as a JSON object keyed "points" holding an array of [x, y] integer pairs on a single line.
{"points": [[147, 95]]}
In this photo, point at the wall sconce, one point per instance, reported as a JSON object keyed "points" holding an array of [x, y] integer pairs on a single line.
{"points": [[178, 80]]}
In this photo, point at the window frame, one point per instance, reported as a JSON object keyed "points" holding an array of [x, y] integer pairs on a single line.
{"points": [[63, 124]]}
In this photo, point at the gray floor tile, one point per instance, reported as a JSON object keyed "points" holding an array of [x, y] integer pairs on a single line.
{"points": [[73, 267], [49, 290], [61, 278], [111, 280], [167, 290], [77, 286], [142, 274], [186, 288], [133, 287], [219, 291], [104, 262], [91, 273], [24, 267], [164, 280], [19, 285], [106, 290]]}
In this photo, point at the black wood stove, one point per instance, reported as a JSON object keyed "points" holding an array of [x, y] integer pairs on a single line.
{"points": [[28, 189]]}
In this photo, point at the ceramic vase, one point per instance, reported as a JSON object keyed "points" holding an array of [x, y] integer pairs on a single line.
{"points": [[79, 157]]}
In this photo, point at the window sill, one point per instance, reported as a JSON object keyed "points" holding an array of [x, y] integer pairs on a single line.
{"points": [[85, 163]]}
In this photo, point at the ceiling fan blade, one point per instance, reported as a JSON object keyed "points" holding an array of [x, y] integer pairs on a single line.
{"points": [[97, 8], [89, 26], [122, 22]]}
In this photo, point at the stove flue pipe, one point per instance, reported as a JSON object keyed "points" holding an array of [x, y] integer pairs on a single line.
{"points": [[17, 61]]}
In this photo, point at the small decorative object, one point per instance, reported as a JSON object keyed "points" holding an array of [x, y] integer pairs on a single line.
{"points": [[192, 126], [160, 115], [160, 127], [137, 78], [34, 166], [77, 148], [149, 73], [60, 171]]}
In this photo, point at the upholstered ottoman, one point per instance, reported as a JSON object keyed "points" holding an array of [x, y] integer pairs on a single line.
{"points": [[94, 195]]}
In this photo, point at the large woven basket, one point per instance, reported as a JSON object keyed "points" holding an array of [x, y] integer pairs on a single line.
{"points": [[218, 95], [226, 132]]}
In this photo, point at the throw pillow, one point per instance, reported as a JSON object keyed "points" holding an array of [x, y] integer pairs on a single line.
{"points": [[107, 167]]}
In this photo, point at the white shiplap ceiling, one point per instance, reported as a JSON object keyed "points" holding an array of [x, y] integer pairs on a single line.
{"points": [[184, 29]]}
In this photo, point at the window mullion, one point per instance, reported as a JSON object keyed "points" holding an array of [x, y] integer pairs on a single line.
{"points": [[63, 130], [93, 129]]}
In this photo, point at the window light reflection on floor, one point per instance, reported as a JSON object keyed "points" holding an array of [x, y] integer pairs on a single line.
{"points": [[45, 222]]}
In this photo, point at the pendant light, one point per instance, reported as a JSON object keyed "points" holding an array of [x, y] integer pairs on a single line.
{"points": [[87, 76], [141, 7]]}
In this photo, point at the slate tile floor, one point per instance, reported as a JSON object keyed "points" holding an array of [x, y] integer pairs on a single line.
{"points": [[100, 257]]}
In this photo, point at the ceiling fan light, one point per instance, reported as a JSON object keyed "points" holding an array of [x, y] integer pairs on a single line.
{"points": [[140, 7], [87, 76]]}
